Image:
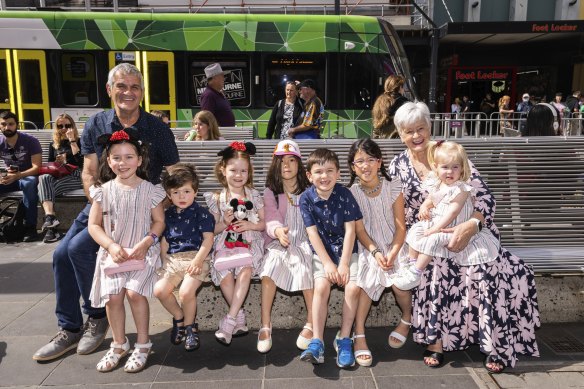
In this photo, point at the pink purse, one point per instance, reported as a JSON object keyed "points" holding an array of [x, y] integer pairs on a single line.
{"points": [[111, 267], [231, 258]]}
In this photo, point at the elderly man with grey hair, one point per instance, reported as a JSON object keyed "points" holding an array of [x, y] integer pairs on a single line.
{"points": [[75, 256]]}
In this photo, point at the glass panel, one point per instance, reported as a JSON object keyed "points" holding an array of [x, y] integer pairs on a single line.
{"points": [[282, 68], [237, 83], [37, 116], [158, 82], [360, 77], [4, 92], [78, 78], [30, 81]]}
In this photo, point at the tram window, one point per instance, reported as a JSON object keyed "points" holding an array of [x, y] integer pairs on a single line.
{"points": [[280, 69], [78, 78], [30, 81], [359, 78], [158, 87], [4, 92], [237, 83]]}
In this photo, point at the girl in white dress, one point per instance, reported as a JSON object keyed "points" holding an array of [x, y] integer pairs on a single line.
{"points": [[235, 172], [133, 208], [449, 203], [381, 235], [288, 259]]}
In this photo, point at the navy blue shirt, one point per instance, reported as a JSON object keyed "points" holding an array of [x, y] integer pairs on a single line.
{"points": [[162, 149], [184, 230], [329, 217]]}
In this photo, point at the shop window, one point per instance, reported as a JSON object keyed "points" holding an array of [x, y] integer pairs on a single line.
{"points": [[282, 68], [78, 79], [237, 87]]}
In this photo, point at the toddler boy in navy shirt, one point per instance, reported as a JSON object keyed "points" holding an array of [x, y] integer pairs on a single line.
{"points": [[329, 211], [185, 247]]}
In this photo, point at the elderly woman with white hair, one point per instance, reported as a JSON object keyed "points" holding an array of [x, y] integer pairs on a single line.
{"points": [[492, 304]]}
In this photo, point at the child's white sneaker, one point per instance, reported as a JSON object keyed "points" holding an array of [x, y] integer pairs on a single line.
{"points": [[407, 278]]}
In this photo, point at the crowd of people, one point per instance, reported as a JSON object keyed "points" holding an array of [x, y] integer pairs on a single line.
{"points": [[422, 227]]}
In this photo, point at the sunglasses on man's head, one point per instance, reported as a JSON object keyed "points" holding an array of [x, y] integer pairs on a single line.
{"points": [[61, 126]]}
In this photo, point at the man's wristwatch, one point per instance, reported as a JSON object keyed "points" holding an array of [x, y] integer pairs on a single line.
{"points": [[478, 223]]}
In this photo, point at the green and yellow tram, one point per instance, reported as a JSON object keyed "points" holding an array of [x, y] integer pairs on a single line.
{"points": [[55, 62]]}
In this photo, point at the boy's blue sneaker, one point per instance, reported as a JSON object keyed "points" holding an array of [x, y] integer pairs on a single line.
{"points": [[314, 353], [345, 356]]}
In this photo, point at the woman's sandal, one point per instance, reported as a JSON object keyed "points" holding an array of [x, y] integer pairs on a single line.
{"points": [[177, 334], [489, 359], [438, 356], [138, 359], [401, 338], [302, 342], [112, 359], [362, 353], [265, 345]]}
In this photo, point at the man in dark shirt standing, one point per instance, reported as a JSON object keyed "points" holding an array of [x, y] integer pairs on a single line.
{"points": [[213, 99], [75, 256]]}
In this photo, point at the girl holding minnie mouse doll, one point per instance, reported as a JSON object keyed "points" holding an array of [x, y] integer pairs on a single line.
{"points": [[239, 244]]}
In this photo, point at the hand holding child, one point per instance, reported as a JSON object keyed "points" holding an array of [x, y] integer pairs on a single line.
{"points": [[282, 235], [425, 213]]}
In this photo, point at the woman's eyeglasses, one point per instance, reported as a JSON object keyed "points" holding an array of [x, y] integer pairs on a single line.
{"points": [[67, 126], [362, 162]]}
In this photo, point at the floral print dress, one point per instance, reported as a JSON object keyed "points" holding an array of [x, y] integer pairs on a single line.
{"points": [[492, 304]]}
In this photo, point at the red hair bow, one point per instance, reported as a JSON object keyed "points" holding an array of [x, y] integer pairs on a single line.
{"points": [[119, 135], [237, 146]]}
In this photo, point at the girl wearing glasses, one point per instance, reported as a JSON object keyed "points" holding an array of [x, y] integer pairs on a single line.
{"points": [[65, 149], [381, 234]]}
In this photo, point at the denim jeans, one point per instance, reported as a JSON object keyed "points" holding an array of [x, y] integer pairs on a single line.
{"points": [[73, 267], [30, 197]]}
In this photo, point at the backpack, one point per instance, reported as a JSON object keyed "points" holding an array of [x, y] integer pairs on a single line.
{"points": [[11, 219]]}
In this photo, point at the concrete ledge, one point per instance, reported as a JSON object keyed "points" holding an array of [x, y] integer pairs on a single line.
{"points": [[561, 299]]}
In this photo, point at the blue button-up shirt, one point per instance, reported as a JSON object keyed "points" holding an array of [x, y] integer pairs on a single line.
{"points": [[184, 230], [162, 150], [329, 217]]}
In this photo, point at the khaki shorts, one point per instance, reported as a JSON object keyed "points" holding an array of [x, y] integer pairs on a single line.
{"points": [[175, 269], [318, 267]]}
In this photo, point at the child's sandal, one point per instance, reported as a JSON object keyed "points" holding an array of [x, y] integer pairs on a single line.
{"points": [[112, 359], [138, 359], [177, 335]]}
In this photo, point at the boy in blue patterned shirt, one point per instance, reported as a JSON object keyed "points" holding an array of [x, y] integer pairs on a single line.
{"points": [[185, 247], [329, 211]]}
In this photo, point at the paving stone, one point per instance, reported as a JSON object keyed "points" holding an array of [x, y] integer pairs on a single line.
{"points": [[450, 381], [568, 379], [338, 383]]}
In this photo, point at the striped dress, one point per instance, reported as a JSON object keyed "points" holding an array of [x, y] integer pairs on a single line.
{"points": [[379, 223], [218, 204], [483, 247], [131, 219], [290, 267]]}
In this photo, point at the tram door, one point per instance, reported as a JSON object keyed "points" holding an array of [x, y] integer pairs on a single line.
{"points": [[23, 86], [159, 77]]}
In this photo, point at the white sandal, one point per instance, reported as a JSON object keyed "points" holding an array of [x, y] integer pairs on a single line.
{"points": [[265, 345], [138, 359], [361, 353], [302, 342], [111, 359], [402, 339]]}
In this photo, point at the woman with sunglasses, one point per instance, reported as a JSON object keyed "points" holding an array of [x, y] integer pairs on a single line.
{"points": [[65, 149]]}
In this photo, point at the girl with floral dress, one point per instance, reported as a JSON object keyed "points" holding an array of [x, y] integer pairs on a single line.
{"points": [[234, 172], [288, 259], [126, 219]]}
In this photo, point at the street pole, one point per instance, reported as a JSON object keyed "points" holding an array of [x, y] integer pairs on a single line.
{"points": [[434, 42], [337, 7]]}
